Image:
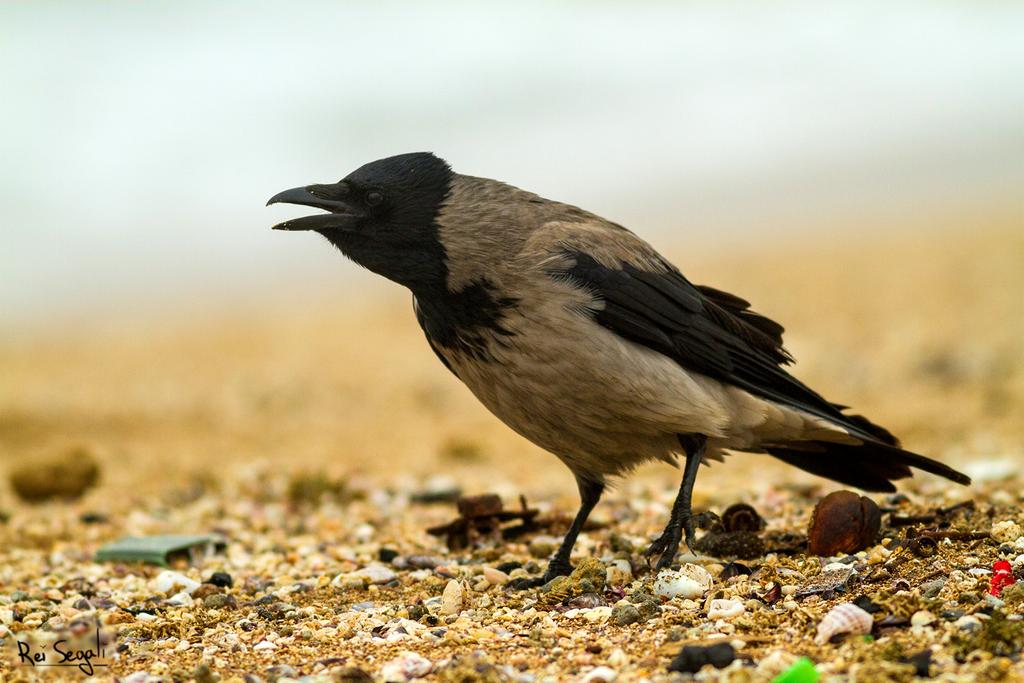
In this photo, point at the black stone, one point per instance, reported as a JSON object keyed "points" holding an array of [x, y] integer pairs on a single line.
{"points": [[221, 579], [692, 657], [922, 662], [865, 603]]}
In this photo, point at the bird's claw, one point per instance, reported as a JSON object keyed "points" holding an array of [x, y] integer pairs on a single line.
{"points": [[555, 569], [666, 546], [523, 584]]}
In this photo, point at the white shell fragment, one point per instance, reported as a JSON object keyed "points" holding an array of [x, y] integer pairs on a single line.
{"points": [[619, 573], [168, 582], [451, 599], [405, 667], [1006, 531], [601, 674], [844, 618], [922, 618], [725, 609], [691, 581]]}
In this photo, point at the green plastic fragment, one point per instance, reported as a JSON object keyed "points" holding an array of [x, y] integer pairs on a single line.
{"points": [[802, 671], [158, 550]]}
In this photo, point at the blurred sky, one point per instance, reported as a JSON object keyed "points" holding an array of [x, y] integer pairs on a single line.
{"points": [[139, 141]]}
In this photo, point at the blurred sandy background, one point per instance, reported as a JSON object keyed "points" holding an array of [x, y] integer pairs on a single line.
{"points": [[855, 172]]}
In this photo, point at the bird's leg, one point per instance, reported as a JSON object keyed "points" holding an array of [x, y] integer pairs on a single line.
{"points": [[590, 493], [682, 520]]}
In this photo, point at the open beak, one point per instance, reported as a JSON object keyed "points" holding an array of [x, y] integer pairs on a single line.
{"points": [[331, 198]]}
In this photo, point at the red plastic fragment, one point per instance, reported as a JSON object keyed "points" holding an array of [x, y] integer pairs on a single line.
{"points": [[1002, 576]]}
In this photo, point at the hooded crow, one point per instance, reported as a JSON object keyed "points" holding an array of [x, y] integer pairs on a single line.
{"points": [[585, 340]]}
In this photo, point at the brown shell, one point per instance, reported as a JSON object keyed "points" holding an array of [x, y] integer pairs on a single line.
{"points": [[843, 522], [742, 517]]}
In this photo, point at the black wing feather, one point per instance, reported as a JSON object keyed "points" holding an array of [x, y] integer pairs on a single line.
{"points": [[664, 311]]}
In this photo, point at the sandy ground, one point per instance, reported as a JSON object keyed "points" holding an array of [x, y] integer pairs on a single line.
{"points": [[200, 422]]}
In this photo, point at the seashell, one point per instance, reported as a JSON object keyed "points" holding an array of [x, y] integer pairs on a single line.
{"points": [[691, 581], [586, 601], [742, 517], [843, 522], [844, 618], [725, 609]]}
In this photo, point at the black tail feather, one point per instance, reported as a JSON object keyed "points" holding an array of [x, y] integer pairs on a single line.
{"points": [[871, 466]]}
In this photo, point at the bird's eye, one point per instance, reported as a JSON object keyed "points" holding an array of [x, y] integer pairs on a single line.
{"points": [[373, 198]]}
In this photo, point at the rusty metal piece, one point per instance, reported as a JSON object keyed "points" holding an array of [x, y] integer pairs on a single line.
{"points": [[484, 518], [938, 515], [484, 505]]}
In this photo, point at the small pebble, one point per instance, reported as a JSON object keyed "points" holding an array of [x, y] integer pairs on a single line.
{"points": [[65, 475], [373, 574], [451, 598], [181, 599], [405, 667], [968, 623], [220, 601], [495, 577], [1006, 531], [625, 614], [221, 579], [922, 618], [542, 547], [932, 588]]}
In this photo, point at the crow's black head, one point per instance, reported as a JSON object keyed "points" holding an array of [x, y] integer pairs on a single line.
{"points": [[382, 216]]}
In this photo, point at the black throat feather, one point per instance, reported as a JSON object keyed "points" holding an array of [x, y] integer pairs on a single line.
{"points": [[465, 322]]}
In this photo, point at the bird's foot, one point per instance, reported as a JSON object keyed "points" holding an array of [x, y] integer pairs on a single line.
{"points": [[525, 584], [666, 546], [555, 569]]}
